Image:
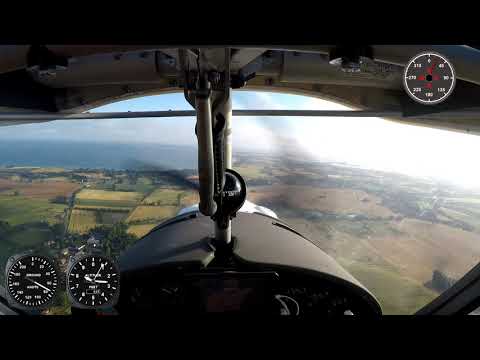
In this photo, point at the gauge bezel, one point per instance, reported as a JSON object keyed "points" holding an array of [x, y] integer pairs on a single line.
{"points": [[12, 261], [73, 301], [447, 94]]}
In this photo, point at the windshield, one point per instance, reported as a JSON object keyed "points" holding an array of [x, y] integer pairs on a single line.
{"points": [[397, 205]]}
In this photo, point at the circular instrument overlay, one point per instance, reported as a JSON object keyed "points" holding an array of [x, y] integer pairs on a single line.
{"points": [[93, 281], [429, 78], [32, 281]]}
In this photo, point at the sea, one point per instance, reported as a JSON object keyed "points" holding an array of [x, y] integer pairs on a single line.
{"points": [[93, 155]]}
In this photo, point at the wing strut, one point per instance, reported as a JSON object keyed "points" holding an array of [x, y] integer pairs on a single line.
{"points": [[222, 190], [31, 117]]}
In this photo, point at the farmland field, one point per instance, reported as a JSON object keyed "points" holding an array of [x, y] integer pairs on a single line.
{"points": [[164, 197], [189, 198], [30, 237], [81, 221], [38, 190], [333, 200], [105, 208], [250, 171], [18, 210], [108, 195], [46, 170], [107, 198], [140, 230], [397, 294], [392, 232], [152, 213], [141, 188], [111, 217], [142, 185]]}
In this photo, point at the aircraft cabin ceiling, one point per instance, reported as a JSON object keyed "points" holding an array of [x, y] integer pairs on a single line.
{"points": [[72, 79]]}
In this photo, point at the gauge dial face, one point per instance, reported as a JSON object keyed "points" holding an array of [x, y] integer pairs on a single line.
{"points": [[32, 281], [429, 78], [93, 281]]}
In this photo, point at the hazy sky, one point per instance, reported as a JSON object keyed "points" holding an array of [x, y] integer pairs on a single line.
{"points": [[368, 142]]}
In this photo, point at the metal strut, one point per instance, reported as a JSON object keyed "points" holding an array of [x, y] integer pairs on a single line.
{"points": [[213, 105], [206, 166], [223, 151]]}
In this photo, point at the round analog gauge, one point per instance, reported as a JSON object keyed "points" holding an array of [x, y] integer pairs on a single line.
{"points": [[31, 281], [93, 282], [429, 78]]}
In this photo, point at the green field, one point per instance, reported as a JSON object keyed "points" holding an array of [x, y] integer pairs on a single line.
{"points": [[398, 295], [161, 197], [111, 217], [19, 210], [251, 171], [104, 208], [21, 238], [141, 188], [30, 237], [142, 185]]}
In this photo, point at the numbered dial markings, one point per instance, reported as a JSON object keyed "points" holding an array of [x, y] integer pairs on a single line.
{"points": [[429, 78], [32, 281], [93, 281]]}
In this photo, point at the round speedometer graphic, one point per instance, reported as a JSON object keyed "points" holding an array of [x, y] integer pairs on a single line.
{"points": [[31, 281], [93, 282], [429, 78]]}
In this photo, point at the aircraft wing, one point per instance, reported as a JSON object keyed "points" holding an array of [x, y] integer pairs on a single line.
{"points": [[73, 79]]}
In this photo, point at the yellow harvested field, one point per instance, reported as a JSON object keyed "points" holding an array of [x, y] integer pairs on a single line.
{"points": [[81, 221], [105, 198], [189, 198], [140, 230], [250, 171], [47, 170], [152, 213], [109, 195]]}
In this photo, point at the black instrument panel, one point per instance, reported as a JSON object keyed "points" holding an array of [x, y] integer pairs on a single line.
{"points": [[267, 293]]}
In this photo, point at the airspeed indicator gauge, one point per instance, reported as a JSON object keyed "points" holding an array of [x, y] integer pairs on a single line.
{"points": [[429, 78], [31, 281]]}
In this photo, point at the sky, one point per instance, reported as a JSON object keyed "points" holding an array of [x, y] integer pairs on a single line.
{"points": [[367, 142]]}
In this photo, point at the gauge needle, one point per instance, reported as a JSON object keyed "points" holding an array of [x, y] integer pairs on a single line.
{"points": [[98, 272], [38, 284], [89, 279]]}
